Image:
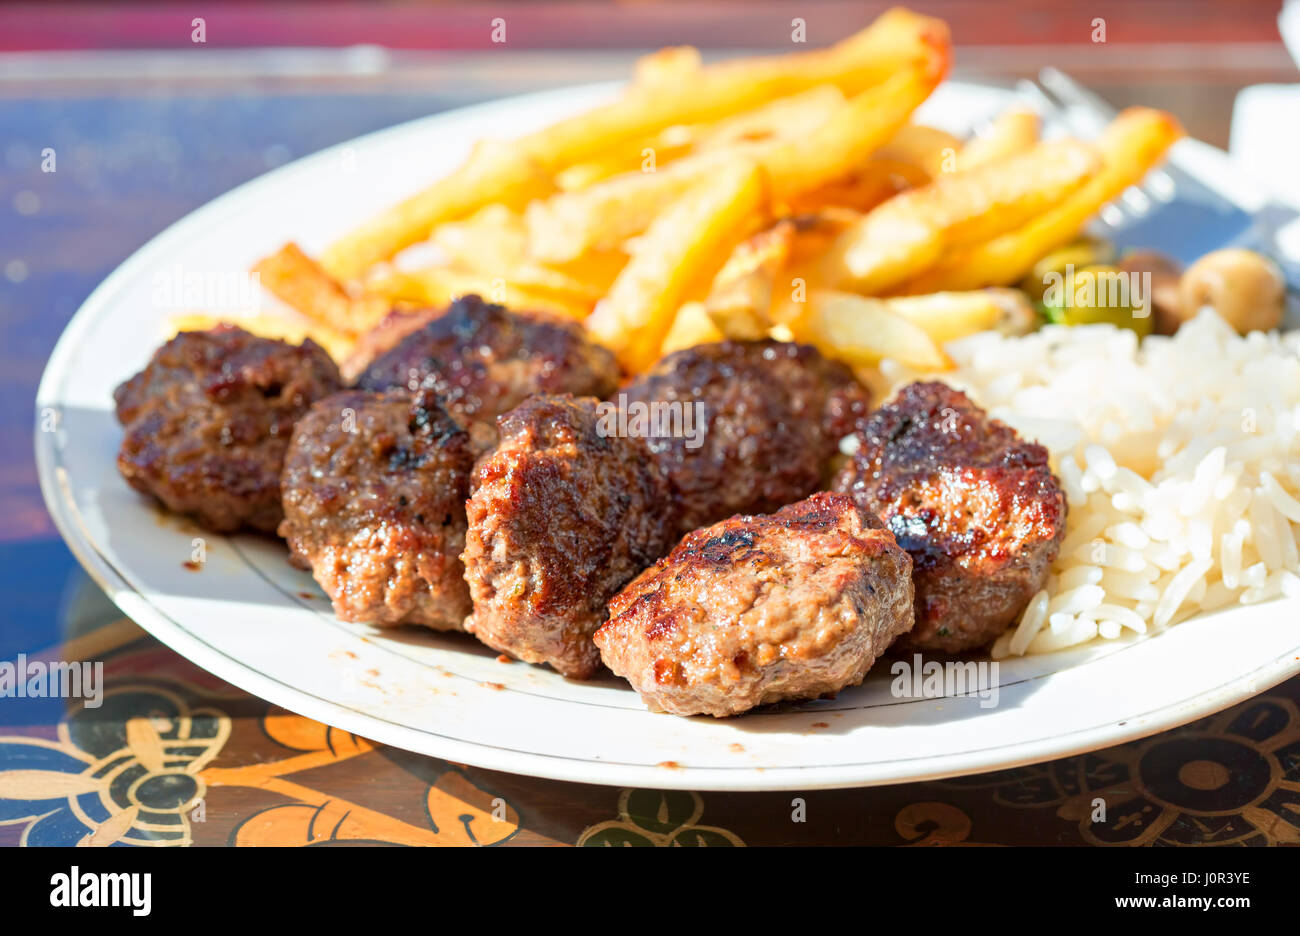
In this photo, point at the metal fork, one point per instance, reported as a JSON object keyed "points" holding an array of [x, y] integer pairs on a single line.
{"points": [[1172, 211]]}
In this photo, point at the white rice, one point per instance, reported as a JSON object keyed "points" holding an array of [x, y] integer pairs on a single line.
{"points": [[1180, 459]]}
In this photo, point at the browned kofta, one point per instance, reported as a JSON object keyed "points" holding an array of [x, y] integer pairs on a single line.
{"points": [[209, 418], [483, 360], [374, 489], [562, 516], [759, 609], [977, 507], [774, 413]]}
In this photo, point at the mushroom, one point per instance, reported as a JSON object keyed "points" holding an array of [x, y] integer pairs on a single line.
{"points": [[1245, 288], [1162, 298]]}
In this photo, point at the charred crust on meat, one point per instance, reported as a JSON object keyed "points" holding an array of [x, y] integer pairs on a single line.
{"points": [[560, 518], [706, 630], [774, 413], [376, 508], [482, 360], [209, 418], [976, 506]]}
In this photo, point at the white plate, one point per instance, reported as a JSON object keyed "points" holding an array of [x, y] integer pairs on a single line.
{"points": [[251, 619]]}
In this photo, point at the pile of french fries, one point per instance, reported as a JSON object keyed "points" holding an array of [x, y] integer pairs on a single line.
{"points": [[789, 196]]}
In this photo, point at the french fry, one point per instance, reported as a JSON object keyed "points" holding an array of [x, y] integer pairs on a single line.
{"points": [[284, 328], [645, 155], [948, 316], [741, 295], [896, 40], [929, 149], [494, 243], [1014, 131], [864, 189], [670, 65], [1133, 143], [852, 134], [597, 269], [791, 116], [910, 232], [299, 281], [691, 326], [495, 173], [439, 286], [605, 215], [511, 173], [684, 244], [861, 330]]}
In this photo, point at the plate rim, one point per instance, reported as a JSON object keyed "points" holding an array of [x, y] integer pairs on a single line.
{"points": [[66, 516]]}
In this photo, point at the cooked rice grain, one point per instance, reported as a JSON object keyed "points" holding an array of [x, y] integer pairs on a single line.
{"points": [[1178, 459]]}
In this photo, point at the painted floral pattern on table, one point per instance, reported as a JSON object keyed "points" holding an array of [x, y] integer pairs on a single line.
{"points": [[176, 757]]}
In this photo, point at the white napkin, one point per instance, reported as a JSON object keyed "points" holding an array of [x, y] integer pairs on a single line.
{"points": [[1265, 135], [1288, 24]]}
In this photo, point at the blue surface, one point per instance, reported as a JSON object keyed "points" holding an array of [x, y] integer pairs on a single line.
{"points": [[125, 168]]}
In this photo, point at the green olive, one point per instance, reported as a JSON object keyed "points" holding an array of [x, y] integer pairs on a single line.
{"points": [[1244, 287], [1095, 295], [1088, 251]]}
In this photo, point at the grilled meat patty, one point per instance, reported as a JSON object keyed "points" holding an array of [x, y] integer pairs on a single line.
{"points": [[209, 418], [374, 488], [483, 360], [561, 517], [759, 609], [774, 413], [977, 507]]}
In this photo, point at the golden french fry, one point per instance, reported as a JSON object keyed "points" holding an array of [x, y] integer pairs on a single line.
{"points": [[596, 269], [948, 316], [494, 236], [493, 243], [439, 286], [1014, 131], [852, 134], [741, 295], [929, 149], [673, 64], [1133, 143], [684, 244], [691, 326], [909, 233], [861, 330], [645, 155], [896, 40], [791, 116], [298, 280], [511, 173], [861, 191], [282, 327], [605, 215], [495, 173]]}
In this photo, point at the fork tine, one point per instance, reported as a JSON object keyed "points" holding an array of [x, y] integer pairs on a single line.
{"points": [[1038, 98], [1075, 94], [1086, 109]]}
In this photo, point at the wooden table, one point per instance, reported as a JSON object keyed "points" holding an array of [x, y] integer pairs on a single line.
{"points": [[141, 139]]}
